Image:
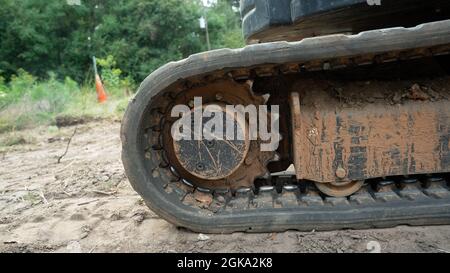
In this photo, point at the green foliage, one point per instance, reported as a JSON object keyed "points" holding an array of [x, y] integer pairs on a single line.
{"points": [[28, 102], [3, 90], [224, 26], [110, 74], [42, 36], [12, 139], [46, 49], [116, 84]]}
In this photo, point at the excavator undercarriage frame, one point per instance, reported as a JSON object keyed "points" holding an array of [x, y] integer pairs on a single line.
{"points": [[377, 146], [388, 129]]}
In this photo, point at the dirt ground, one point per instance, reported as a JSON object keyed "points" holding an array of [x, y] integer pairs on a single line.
{"points": [[85, 204]]}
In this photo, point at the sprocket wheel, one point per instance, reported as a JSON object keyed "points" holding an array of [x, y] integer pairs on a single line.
{"points": [[213, 164]]}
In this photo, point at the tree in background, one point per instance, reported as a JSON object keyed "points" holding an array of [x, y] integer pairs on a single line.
{"points": [[225, 25], [36, 35], [42, 36]]}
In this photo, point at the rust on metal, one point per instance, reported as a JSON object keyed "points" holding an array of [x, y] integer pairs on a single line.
{"points": [[296, 133], [340, 189], [365, 130], [244, 169], [216, 157]]}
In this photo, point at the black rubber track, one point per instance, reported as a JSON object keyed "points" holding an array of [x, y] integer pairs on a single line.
{"points": [[149, 180]]}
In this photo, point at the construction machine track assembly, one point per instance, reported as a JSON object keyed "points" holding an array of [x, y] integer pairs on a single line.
{"points": [[249, 198]]}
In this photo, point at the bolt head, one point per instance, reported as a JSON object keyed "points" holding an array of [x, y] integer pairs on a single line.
{"points": [[341, 173], [200, 167]]}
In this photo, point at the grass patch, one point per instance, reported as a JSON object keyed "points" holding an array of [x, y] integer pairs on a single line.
{"points": [[12, 140], [27, 103]]}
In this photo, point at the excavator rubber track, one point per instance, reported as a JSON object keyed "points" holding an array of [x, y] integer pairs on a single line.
{"points": [[290, 204]]}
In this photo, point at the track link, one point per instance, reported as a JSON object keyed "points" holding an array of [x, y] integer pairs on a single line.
{"points": [[413, 201]]}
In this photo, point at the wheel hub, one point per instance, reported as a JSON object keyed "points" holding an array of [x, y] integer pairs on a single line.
{"points": [[210, 162], [213, 155]]}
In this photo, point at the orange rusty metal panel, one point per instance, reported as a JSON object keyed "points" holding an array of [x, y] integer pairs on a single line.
{"points": [[294, 103], [334, 143]]}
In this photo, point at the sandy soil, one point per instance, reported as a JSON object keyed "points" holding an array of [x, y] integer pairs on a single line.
{"points": [[85, 204]]}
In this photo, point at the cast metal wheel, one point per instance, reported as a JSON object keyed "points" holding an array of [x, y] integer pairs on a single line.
{"points": [[216, 163], [340, 189]]}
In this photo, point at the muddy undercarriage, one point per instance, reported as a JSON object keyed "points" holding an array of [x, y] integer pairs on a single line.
{"points": [[364, 120]]}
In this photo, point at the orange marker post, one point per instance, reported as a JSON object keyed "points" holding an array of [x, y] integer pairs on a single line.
{"points": [[101, 94]]}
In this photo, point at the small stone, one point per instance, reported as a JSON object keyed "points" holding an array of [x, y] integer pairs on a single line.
{"points": [[370, 99], [221, 199], [74, 247], [435, 95], [203, 198], [397, 98], [85, 230], [416, 93], [202, 237], [115, 216], [138, 216]]}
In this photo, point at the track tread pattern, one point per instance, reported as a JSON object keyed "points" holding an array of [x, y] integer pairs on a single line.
{"points": [[293, 208]]}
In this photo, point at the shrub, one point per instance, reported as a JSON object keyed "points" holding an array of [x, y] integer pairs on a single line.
{"points": [[26, 102]]}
